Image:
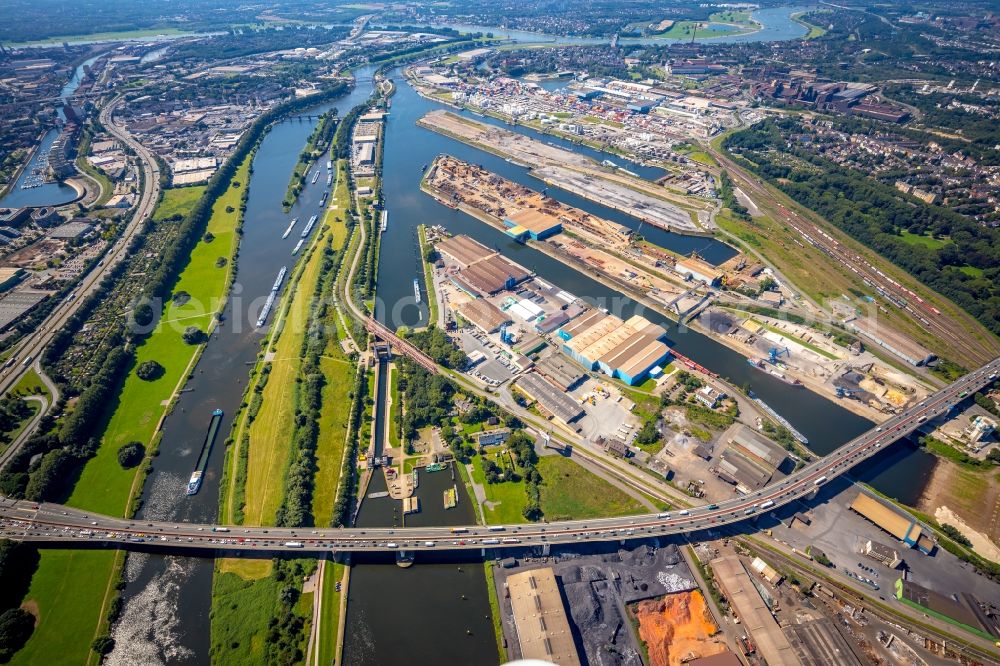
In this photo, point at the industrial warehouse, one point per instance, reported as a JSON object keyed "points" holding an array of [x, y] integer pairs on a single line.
{"points": [[626, 350], [540, 617], [749, 460], [479, 270], [899, 525]]}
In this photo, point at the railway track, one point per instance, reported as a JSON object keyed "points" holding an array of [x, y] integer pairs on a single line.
{"points": [[902, 298]]}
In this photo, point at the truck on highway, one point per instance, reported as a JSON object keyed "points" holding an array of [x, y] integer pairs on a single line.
{"points": [[767, 505], [293, 544], [220, 529], [496, 528], [490, 542], [820, 481], [27, 361]]}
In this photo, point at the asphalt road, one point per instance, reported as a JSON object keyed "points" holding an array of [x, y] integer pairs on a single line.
{"points": [[29, 521], [34, 344]]}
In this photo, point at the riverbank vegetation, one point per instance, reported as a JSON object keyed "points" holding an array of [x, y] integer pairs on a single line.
{"points": [[260, 621]]}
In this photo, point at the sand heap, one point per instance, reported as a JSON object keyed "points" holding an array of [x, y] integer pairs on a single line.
{"points": [[677, 628]]}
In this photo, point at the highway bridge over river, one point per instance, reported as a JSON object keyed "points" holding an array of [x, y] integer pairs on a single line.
{"points": [[30, 521]]}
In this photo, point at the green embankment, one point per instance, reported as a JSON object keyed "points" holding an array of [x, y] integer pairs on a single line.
{"points": [[330, 612], [432, 303], [394, 408], [71, 589], [107, 188], [270, 431]]}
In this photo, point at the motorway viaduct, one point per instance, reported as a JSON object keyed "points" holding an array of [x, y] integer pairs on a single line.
{"points": [[53, 523]]}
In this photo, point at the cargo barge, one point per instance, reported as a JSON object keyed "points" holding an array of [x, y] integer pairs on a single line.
{"points": [[309, 225], [762, 365], [194, 484], [779, 418], [269, 303], [289, 229]]}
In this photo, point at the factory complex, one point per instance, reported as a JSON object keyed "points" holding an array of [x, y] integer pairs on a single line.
{"points": [[502, 296]]}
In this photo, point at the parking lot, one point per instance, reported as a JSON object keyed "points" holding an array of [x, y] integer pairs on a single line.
{"points": [[496, 368]]}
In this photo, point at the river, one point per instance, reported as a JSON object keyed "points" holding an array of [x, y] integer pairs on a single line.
{"points": [[776, 26], [168, 598]]}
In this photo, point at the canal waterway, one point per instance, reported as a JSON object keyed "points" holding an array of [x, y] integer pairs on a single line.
{"points": [[168, 598], [388, 618]]}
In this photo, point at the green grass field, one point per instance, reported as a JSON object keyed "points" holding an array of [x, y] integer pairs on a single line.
{"points": [[67, 593], [504, 501], [330, 611], [31, 384], [178, 201], [923, 239], [569, 492], [69, 587], [242, 611]]}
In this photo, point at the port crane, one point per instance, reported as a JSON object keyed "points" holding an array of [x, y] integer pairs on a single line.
{"points": [[847, 392], [776, 354]]}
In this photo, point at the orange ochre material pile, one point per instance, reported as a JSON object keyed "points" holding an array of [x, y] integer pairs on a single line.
{"points": [[677, 628]]}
